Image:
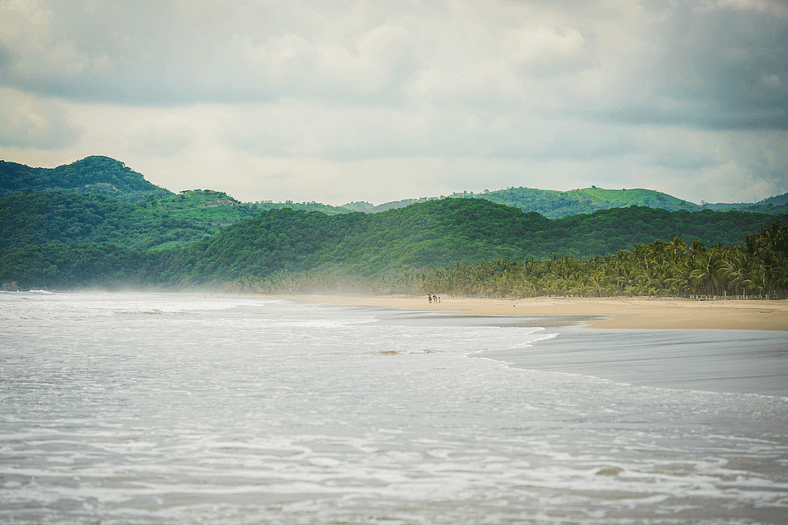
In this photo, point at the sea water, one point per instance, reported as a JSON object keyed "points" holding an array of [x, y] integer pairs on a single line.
{"points": [[173, 409]]}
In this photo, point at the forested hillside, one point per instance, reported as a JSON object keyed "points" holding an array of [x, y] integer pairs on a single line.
{"points": [[74, 232], [96, 174], [438, 234], [430, 235], [555, 204], [37, 218], [110, 177]]}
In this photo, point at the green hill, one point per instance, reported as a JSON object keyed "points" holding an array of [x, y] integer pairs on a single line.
{"points": [[434, 234], [554, 204], [441, 233], [106, 176], [776, 200], [67, 218], [101, 175], [773, 205], [97, 222], [301, 206]]}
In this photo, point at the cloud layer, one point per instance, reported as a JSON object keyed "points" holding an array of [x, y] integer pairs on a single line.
{"points": [[338, 101]]}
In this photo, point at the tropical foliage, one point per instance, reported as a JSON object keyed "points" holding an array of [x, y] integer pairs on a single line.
{"points": [[656, 269], [75, 232], [445, 244]]}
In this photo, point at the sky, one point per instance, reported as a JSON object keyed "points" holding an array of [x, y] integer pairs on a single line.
{"points": [[339, 101]]}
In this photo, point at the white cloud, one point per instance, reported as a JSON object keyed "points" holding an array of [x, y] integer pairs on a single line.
{"points": [[294, 100], [30, 122]]}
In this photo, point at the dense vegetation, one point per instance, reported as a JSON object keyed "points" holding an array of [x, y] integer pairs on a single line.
{"points": [[54, 217], [103, 175], [73, 232], [658, 268], [369, 247], [96, 174], [555, 204]]}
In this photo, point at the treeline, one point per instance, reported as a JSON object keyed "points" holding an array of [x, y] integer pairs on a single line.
{"points": [[760, 267], [434, 234], [398, 248]]}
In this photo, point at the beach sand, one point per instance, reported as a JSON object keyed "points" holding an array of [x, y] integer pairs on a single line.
{"points": [[613, 312], [730, 347]]}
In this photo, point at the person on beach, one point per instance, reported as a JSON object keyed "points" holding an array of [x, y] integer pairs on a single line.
{"points": [[429, 297]]}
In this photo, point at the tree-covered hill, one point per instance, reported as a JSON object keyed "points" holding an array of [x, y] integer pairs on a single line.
{"points": [[28, 219], [776, 200], [207, 209], [110, 177], [96, 174], [773, 205], [301, 206], [434, 234], [555, 204], [441, 233], [423, 235]]}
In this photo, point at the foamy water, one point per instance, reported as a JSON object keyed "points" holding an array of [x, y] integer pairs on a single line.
{"points": [[187, 409]]}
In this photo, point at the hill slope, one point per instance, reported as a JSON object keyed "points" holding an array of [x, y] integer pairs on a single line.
{"points": [[441, 233], [109, 177], [96, 174], [554, 204], [434, 234], [66, 218]]}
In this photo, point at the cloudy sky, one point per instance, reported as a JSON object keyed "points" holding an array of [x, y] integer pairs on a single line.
{"points": [[337, 101]]}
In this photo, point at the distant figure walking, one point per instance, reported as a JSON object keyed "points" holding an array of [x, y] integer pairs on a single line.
{"points": [[429, 297]]}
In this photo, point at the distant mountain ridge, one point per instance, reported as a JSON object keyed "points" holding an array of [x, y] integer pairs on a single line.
{"points": [[110, 177], [555, 204]]}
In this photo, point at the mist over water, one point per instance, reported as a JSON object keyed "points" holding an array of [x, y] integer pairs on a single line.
{"points": [[143, 409]]}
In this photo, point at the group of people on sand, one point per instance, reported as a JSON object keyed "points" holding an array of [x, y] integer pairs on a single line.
{"points": [[433, 298]]}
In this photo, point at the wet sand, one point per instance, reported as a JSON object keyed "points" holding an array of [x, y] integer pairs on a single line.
{"points": [[723, 346], [608, 313], [725, 361]]}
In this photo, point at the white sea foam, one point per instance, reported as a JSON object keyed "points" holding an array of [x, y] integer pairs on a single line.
{"points": [[215, 410]]}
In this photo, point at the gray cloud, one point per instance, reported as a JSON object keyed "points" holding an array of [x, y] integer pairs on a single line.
{"points": [[27, 122], [615, 93], [704, 64], [715, 65]]}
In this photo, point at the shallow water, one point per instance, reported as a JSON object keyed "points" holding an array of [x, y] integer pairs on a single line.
{"points": [[725, 361], [186, 409]]}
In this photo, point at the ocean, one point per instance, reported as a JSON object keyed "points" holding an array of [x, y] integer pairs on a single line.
{"points": [[193, 409]]}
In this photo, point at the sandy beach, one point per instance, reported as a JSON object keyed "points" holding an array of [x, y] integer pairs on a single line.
{"points": [[614, 312]]}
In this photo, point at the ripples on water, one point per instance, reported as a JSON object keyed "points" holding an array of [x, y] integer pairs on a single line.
{"points": [[147, 409]]}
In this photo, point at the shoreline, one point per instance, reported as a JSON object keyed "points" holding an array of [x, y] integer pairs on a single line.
{"points": [[605, 312]]}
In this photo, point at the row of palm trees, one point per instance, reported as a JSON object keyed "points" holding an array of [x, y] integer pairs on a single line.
{"points": [[760, 268]]}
